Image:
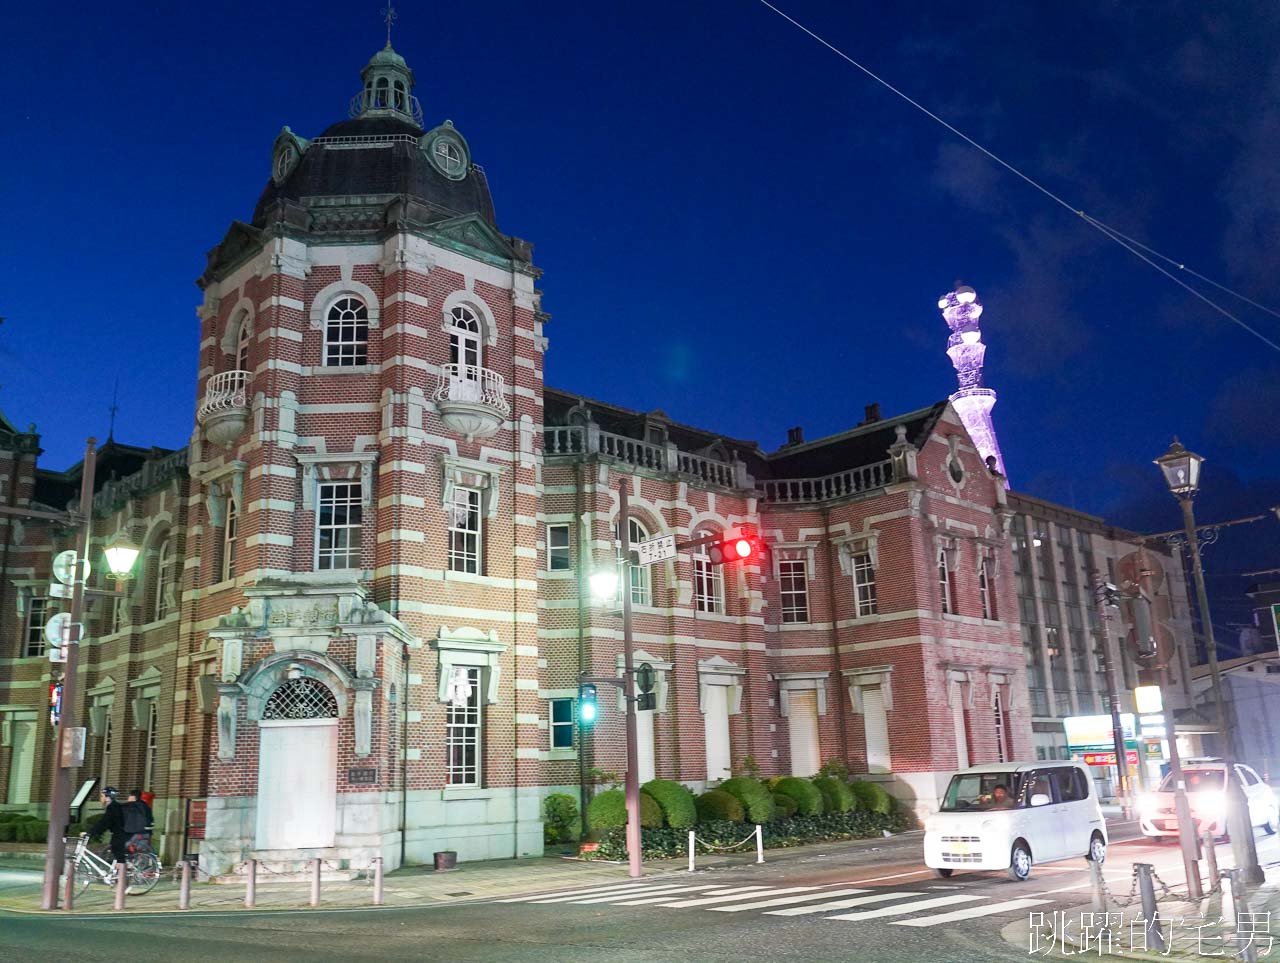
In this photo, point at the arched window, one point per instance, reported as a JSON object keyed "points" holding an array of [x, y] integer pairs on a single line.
{"points": [[166, 583], [229, 540], [641, 579], [346, 335], [242, 344], [708, 581], [399, 95], [464, 341], [301, 698], [380, 98]]}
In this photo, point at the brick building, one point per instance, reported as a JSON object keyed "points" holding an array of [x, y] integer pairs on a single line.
{"points": [[360, 614]]}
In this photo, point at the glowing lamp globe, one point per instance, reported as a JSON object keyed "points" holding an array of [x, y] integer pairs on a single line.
{"points": [[1181, 469], [120, 554], [604, 583]]}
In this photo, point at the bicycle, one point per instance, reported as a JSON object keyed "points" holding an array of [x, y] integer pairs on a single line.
{"points": [[143, 869]]}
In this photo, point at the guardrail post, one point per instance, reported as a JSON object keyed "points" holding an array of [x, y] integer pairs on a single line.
{"points": [[1210, 856], [69, 884], [1240, 906], [377, 881], [759, 843], [251, 885], [315, 882], [184, 893], [1099, 887], [692, 838], [122, 883], [1155, 936]]}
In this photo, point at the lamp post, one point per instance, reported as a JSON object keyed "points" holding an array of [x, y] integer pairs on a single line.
{"points": [[604, 585], [1181, 469]]}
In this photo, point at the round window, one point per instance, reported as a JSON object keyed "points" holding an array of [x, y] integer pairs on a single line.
{"points": [[449, 157], [284, 161]]}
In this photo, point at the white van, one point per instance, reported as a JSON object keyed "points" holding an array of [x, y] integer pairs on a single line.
{"points": [[1009, 815]]}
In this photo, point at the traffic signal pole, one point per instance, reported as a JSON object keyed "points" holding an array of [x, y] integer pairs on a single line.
{"points": [[629, 688], [1124, 778]]}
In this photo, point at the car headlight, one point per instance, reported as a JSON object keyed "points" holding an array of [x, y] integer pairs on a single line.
{"points": [[1147, 805], [1209, 804]]}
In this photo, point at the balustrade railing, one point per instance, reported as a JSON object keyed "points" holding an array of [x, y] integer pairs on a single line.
{"points": [[474, 384], [384, 98], [851, 481], [223, 392], [564, 440], [708, 469], [634, 451], [151, 474]]}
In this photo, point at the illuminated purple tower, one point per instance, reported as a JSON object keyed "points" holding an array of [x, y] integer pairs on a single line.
{"points": [[973, 403]]}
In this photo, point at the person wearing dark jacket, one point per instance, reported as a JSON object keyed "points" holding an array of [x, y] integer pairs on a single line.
{"points": [[135, 798], [111, 820]]}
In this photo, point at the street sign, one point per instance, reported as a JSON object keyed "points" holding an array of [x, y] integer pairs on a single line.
{"points": [[59, 591], [657, 549], [57, 653], [64, 567], [73, 748]]}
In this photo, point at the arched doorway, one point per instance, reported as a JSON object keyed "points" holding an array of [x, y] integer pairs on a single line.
{"points": [[298, 766]]}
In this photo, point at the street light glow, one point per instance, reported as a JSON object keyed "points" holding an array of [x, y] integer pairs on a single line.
{"points": [[604, 583]]}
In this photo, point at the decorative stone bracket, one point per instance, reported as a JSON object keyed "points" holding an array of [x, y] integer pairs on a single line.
{"points": [[960, 685], [789, 682], [470, 647], [336, 466], [468, 473], [224, 482], [864, 543], [718, 670], [865, 678]]}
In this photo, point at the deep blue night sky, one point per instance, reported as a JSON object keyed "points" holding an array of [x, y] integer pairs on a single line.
{"points": [[736, 226]]}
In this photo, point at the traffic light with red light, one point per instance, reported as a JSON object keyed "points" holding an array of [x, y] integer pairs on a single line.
{"points": [[737, 548]]}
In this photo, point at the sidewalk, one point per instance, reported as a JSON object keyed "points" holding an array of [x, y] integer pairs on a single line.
{"points": [[412, 886]]}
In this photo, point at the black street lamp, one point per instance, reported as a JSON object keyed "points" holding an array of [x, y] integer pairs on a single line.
{"points": [[1181, 469]]}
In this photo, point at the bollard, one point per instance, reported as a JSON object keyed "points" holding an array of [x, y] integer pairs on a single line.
{"points": [[1155, 936], [251, 885], [122, 883], [69, 884], [692, 839], [184, 894], [1099, 889], [315, 882], [1239, 906], [759, 843], [377, 881], [1210, 855]]}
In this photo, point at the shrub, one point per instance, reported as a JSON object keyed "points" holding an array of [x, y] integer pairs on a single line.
{"points": [[607, 809], [872, 797], [836, 794], [747, 766], [650, 812], [718, 806], [676, 801], [836, 769], [8, 832], [755, 798], [559, 818], [805, 793], [33, 831], [784, 806]]}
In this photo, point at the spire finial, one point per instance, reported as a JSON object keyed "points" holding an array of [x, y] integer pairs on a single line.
{"points": [[389, 17], [115, 394]]}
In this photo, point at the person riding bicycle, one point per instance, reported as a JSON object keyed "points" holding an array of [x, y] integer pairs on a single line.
{"points": [[112, 820]]}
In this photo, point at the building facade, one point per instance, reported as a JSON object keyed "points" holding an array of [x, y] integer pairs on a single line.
{"points": [[360, 616]]}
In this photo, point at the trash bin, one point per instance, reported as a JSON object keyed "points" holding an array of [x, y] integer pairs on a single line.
{"points": [[446, 861]]}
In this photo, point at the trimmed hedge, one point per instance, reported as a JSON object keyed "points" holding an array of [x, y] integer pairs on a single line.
{"points": [[806, 795], [717, 806], [872, 797], [607, 809], [676, 801], [836, 794], [785, 807], [559, 819], [650, 812], [34, 831], [755, 798]]}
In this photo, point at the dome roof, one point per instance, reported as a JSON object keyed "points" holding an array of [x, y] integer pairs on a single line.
{"points": [[386, 57]]}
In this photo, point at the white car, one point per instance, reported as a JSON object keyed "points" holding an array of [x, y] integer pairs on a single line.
{"points": [[1007, 816], [1205, 782]]}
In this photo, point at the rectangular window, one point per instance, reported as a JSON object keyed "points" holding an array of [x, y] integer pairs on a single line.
{"points": [[149, 759], [944, 587], [561, 723], [1002, 729], [708, 586], [37, 615], [229, 532], [986, 591], [339, 513], [558, 557], [793, 577], [864, 583], [464, 531], [876, 724], [462, 736], [106, 747]]}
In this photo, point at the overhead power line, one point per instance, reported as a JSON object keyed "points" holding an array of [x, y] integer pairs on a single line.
{"points": [[1135, 248]]}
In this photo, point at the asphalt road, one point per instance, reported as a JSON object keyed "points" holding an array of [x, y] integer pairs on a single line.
{"points": [[892, 911]]}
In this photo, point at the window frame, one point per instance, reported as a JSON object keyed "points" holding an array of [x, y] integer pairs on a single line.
{"points": [[795, 612], [244, 338], [865, 599], [166, 573], [149, 744], [341, 351], [945, 588], [708, 583], [457, 559], [562, 553], [466, 339], [230, 534], [33, 635], [554, 726], [353, 501], [640, 578], [986, 589], [464, 734]]}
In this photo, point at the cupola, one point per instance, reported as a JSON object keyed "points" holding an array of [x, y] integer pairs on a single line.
{"points": [[388, 89]]}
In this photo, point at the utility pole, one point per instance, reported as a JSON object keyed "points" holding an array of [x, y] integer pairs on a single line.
{"points": [[629, 686], [1101, 593]]}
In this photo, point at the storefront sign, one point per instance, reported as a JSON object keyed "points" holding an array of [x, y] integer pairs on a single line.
{"points": [[1109, 758]]}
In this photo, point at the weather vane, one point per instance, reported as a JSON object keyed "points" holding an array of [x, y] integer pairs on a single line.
{"points": [[389, 17]]}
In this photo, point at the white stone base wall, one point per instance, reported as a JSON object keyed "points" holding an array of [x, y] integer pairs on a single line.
{"points": [[475, 823]]}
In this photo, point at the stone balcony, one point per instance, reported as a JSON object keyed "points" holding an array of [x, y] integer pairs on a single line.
{"points": [[224, 412], [471, 399]]}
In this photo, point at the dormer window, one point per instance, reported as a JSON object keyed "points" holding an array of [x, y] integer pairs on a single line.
{"points": [[346, 336], [448, 157]]}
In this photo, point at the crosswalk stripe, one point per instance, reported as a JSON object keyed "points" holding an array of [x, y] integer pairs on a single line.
{"points": [[972, 912], [785, 900], [839, 904], [662, 899], [901, 908], [569, 894], [669, 891], [728, 897]]}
